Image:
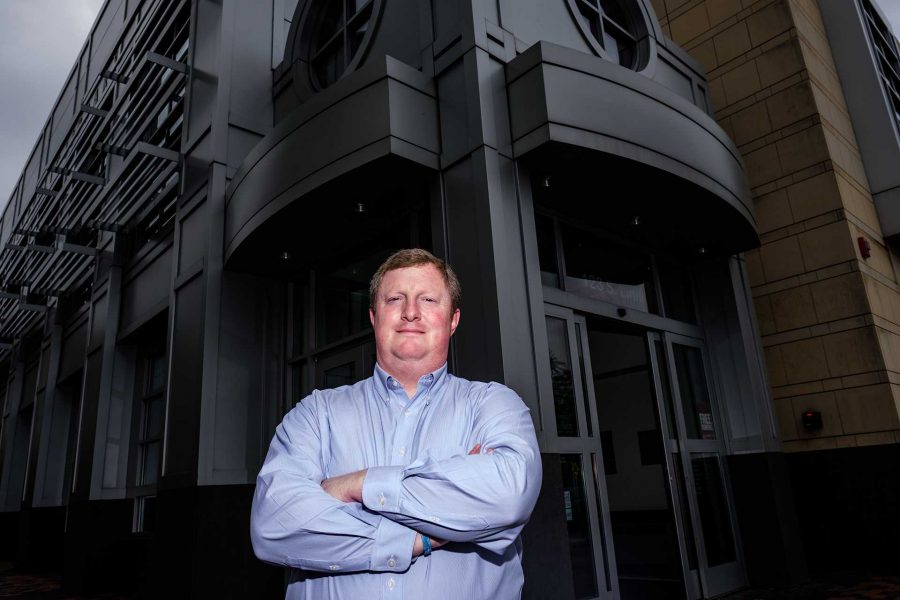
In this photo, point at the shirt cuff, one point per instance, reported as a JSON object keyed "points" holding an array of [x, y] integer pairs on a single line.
{"points": [[381, 489], [393, 547]]}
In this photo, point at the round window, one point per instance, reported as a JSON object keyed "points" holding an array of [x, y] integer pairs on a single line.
{"points": [[338, 32], [615, 28]]}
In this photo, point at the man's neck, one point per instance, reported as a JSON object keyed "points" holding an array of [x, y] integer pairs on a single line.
{"points": [[407, 375]]}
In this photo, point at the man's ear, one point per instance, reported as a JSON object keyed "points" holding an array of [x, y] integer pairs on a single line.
{"points": [[454, 321], [372, 316]]}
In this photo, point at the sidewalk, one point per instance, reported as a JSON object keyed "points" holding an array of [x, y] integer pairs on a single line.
{"points": [[851, 586], [840, 586], [18, 586]]}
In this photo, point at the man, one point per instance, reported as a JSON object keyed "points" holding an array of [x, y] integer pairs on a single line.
{"points": [[412, 483]]}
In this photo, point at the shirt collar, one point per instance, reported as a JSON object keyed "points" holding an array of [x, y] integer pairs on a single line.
{"points": [[386, 384]]}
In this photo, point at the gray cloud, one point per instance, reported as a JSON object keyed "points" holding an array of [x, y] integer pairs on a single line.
{"points": [[891, 10], [39, 42]]}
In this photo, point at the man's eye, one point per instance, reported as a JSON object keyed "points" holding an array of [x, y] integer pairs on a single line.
{"points": [[393, 298], [430, 299]]}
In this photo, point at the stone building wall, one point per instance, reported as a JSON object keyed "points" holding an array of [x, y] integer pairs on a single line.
{"points": [[829, 318]]}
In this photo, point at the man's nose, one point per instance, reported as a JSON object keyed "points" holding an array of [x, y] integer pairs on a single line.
{"points": [[410, 311]]}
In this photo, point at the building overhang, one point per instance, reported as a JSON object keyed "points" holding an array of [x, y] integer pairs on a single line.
{"points": [[372, 129], [599, 127]]}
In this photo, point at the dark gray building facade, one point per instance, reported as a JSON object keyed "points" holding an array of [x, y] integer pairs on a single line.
{"points": [[188, 249]]}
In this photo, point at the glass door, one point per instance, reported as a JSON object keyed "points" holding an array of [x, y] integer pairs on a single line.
{"points": [[640, 461], [573, 458], [696, 455], [643, 509]]}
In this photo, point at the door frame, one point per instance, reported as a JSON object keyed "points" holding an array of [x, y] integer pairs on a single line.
{"points": [[728, 576], [702, 581], [587, 445]]}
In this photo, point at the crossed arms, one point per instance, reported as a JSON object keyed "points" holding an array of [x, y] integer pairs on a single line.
{"points": [[483, 498]]}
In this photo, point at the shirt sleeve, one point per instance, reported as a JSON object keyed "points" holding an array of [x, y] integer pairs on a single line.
{"points": [[294, 522], [484, 498]]}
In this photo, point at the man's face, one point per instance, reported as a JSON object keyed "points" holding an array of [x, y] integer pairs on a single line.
{"points": [[413, 320]]}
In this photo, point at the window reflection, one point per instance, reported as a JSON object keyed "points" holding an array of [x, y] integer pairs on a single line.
{"points": [[341, 375], [546, 240], [695, 400], [597, 269], [561, 375], [337, 34], [598, 266], [343, 304], [578, 526], [678, 301], [712, 506]]}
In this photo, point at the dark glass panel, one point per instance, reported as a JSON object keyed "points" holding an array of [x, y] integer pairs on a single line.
{"points": [[148, 514], [343, 303], [598, 269], [584, 389], [712, 505], [300, 342], [613, 10], [666, 391], [695, 400], [331, 20], [609, 453], [154, 418], [690, 544], [562, 377], [150, 466], [607, 578], [357, 34], [678, 299], [638, 494], [300, 383], [156, 378], [546, 241], [578, 526], [353, 7], [329, 64], [340, 375]]}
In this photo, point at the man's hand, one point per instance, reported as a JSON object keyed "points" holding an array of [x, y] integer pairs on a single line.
{"points": [[419, 548], [346, 488], [476, 449]]}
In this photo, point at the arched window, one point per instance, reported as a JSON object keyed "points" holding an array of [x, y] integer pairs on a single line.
{"points": [[613, 27], [337, 31]]}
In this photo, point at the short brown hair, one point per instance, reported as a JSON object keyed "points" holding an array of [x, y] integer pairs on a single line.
{"points": [[414, 257]]}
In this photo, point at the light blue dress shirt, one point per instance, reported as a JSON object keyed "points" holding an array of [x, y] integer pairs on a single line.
{"points": [[420, 479]]}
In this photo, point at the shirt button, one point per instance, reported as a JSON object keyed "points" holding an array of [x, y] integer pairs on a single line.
{"points": [[408, 413], [333, 567], [391, 583], [381, 500], [392, 563], [402, 450]]}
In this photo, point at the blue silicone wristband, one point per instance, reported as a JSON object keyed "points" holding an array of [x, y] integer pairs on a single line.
{"points": [[426, 546]]}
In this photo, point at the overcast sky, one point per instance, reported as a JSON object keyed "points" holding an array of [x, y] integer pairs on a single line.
{"points": [[39, 40]]}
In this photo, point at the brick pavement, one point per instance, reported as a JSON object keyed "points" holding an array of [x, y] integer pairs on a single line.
{"points": [[21, 586], [854, 586]]}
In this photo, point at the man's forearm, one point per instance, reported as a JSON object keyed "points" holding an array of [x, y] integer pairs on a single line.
{"points": [[295, 523]]}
